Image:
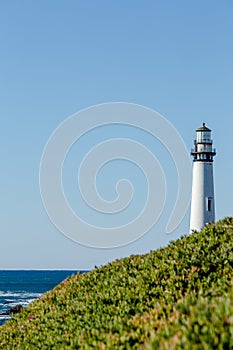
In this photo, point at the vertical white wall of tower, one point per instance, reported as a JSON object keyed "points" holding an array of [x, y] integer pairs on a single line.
{"points": [[202, 204]]}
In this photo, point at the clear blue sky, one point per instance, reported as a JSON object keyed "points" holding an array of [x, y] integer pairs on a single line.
{"points": [[58, 57]]}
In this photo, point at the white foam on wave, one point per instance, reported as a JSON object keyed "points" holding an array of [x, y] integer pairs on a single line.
{"points": [[5, 317], [23, 294], [31, 295]]}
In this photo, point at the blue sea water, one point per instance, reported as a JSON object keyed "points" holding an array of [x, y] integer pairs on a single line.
{"points": [[22, 287]]}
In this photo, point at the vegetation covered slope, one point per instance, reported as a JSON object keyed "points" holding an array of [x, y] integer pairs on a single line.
{"points": [[178, 297]]}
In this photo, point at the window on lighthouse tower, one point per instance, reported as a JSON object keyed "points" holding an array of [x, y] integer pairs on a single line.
{"points": [[209, 203]]}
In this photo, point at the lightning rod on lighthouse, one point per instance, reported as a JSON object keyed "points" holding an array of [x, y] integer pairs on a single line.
{"points": [[202, 204]]}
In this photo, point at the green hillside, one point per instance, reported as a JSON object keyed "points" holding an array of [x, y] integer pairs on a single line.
{"points": [[178, 297]]}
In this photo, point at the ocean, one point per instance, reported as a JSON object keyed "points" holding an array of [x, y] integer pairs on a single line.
{"points": [[22, 287]]}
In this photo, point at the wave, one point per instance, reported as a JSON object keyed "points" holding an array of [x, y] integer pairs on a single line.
{"points": [[11, 299], [22, 294], [5, 317]]}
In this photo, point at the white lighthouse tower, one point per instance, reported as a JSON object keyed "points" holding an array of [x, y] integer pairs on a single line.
{"points": [[202, 205]]}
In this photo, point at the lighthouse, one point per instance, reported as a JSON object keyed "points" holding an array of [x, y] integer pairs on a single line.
{"points": [[202, 204]]}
